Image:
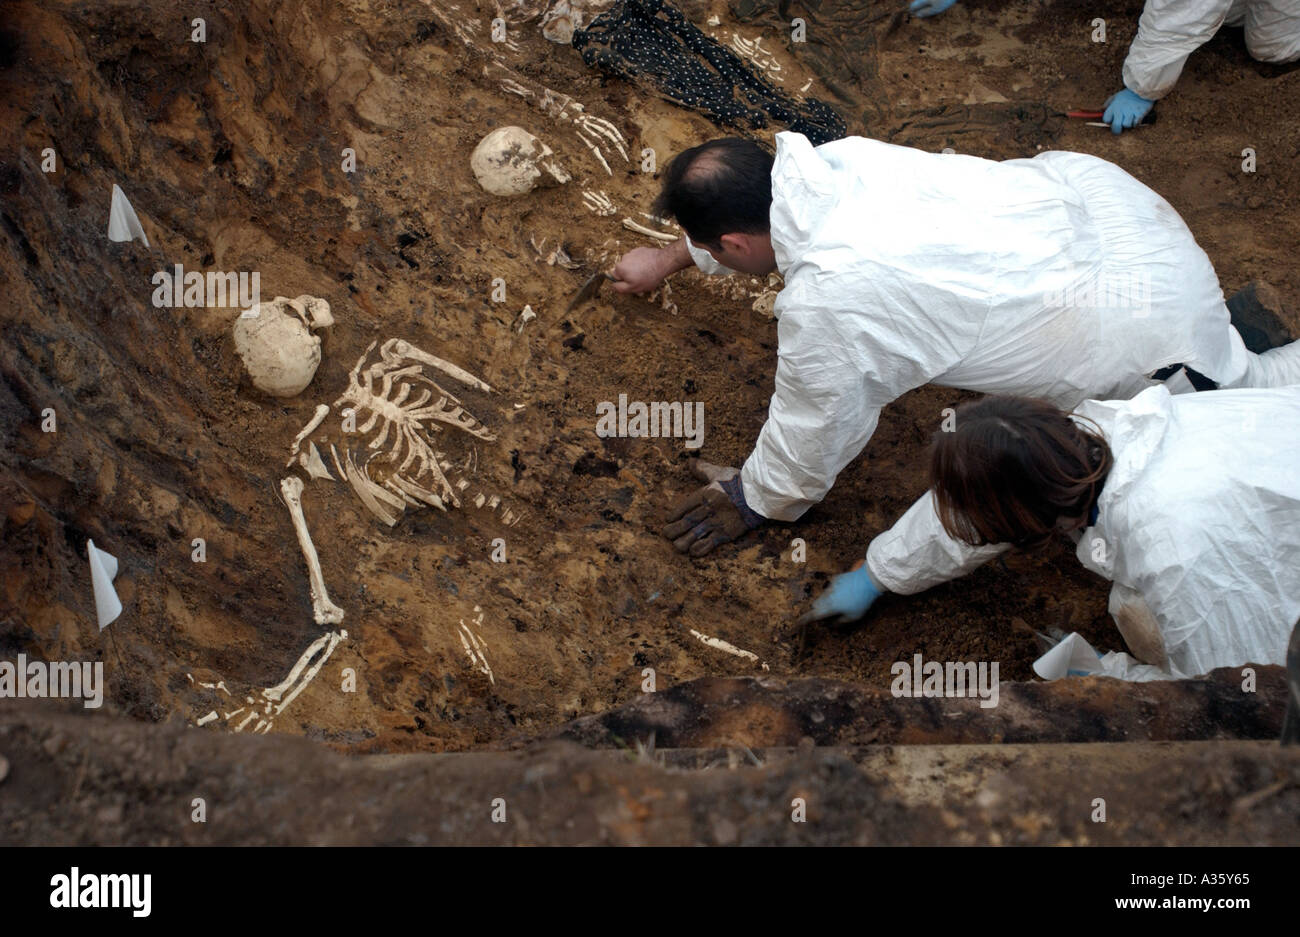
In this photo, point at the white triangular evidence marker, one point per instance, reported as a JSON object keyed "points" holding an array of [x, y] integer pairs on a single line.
{"points": [[1073, 656], [103, 567], [123, 225]]}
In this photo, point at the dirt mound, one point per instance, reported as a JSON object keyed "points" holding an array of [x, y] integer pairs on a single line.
{"points": [[108, 780], [766, 712]]}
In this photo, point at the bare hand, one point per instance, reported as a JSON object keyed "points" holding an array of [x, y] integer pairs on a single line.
{"points": [[639, 270]]}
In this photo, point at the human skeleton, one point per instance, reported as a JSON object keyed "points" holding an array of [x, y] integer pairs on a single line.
{"points": [[395, 435]]}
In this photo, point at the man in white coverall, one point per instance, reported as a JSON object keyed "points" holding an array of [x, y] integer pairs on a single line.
{"points": [[1171, 30], [1197, 521], [1060, 277]]}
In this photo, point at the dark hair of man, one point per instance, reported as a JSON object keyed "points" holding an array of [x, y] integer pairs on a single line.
{"points": [[1012, 468], [720, 187]]}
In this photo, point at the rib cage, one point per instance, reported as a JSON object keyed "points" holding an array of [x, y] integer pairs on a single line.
{"points": [[393, 458]]}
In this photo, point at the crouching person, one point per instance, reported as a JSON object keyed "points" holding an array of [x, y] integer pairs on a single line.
{"points": [[1190, 505]]}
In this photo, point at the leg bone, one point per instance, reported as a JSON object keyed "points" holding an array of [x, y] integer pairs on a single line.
{"points": [[291, 684], [327, 613]]}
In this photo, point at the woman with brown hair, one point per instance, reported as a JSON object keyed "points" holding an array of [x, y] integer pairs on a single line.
{"points": [[1190, 505]]}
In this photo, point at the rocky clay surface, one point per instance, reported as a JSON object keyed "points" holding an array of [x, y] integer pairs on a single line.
{"points": [[232, 153]]}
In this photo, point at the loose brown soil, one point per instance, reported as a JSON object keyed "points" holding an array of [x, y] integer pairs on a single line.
{"points": [[231, 150]]}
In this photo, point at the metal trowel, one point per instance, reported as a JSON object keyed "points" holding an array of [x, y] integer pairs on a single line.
{"points": [[590, 289]]}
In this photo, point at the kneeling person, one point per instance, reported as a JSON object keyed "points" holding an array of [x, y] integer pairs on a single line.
{"points": [[1190, 505]]}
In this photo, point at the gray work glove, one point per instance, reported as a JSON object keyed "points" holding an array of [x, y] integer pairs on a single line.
{"points": [[712, 515]]}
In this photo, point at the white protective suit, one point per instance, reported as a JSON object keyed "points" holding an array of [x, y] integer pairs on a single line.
{"points": [[1060, 277], [1171, 30], [1198, 526]]}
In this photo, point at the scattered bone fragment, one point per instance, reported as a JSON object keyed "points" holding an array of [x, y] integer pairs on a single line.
{"points": [[557, 256], [762, 59], [765, 304], [476, 647], [648, 232], [728, 648], [526, 316], [662, 297]]}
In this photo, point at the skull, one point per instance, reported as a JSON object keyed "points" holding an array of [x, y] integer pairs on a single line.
{"points": [[276, 343], [559, 18], [511, 161], [560, 21], [565, 16]]}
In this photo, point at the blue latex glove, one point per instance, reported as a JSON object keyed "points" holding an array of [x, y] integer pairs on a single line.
{"points": [[847, 598], [1125, 110], [929, 7]]}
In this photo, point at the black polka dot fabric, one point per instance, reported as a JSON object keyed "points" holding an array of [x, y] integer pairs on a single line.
{"points": [[651, 41]]}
